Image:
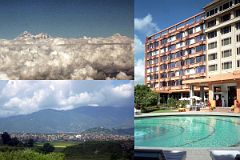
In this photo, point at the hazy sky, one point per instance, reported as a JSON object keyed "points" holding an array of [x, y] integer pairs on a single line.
{"points": [[155, 15], [24, 97], [66, 18]]}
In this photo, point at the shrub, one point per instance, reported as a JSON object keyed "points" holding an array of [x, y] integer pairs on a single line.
{"points": [[47, 148], [30, 155], [182, 104], [172, 103]]}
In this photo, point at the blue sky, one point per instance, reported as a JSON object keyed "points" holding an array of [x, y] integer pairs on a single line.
{"points": [[25, 97], [66, 18], [152, 16]]}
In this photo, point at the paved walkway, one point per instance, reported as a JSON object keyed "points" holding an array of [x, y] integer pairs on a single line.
{"points": [[198, 154]]}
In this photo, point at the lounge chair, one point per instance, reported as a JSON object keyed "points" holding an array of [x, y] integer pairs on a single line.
{"points": [[148, 155], [175, 155], [224, 154]]}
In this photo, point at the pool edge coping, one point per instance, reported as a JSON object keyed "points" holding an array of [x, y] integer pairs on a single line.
{"points": [[142, 115]]}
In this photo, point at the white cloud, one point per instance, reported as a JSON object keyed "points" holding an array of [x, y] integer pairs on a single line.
{"points": [[24, 97], [26, 104], [139, 71], [124, 90], [138, 45], [145, 25], [39, 57]]}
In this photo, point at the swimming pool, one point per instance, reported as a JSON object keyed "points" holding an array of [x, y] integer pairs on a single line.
{"points": [[187, 131]]}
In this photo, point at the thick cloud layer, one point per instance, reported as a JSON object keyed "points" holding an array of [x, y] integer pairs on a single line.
{"points": [[43, 57]]}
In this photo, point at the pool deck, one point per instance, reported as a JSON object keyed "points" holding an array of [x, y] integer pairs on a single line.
{"points": [[192, 153]]}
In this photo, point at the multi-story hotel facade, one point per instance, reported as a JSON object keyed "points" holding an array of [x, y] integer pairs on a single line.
{"points": [[216, 75], [176, 54]]}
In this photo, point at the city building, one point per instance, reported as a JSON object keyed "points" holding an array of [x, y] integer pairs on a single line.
{"points": [[222, 31], [191, 64], [176, 54]]}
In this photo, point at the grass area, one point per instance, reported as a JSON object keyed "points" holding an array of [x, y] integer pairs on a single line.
{"points": [[59, 144], [89, 157], [92, 150], [164, 111]]}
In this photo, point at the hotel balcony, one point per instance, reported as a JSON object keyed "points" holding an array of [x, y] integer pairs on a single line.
{"points": [[185, 87], [176, 87]]}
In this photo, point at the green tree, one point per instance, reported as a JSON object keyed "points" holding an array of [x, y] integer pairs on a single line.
{"points": [[29, 143], [47, 148], [6, 138], [144, 97], [14, 142], [172, 103]]}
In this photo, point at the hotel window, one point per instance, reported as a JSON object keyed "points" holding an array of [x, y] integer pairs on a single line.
{"points": [[226, 41], [225, 6], [172, 47], [164, 50], [212, 56], [163, 75], [226, 17], [237, 25], [179, 35], [190, 31], [226, 30], [201, 69], [211, 23], [192, 60], [156, 44], [171, 74], [227, 53], [163, 66], [201, 48], [226, 65], [212, 67], [155, 60], [200, 59], [199, 28], [191, 41], [163, 58], [179, 54], [238, 63], [180, 44], [212, 12], [238, 51], [172, 56], [178, 82], [178, 64], [212, 34], [200, 38], [238, 38], [212, 45], [237, 13], [164, 41]]}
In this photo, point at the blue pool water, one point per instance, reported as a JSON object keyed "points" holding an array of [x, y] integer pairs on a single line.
{"points": [[187, 131]]}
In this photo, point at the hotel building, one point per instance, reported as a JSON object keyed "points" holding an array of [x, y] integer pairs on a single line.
{"points": [[176, 54], [215, 70]]}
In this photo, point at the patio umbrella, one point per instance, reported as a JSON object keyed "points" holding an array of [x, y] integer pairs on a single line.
{"points": [[196, 98]]}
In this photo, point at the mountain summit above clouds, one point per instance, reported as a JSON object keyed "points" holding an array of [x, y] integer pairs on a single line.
{"points": [[27, 34], [42, 56]]}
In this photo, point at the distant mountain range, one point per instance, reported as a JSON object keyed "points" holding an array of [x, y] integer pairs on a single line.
{"points": [[76, 120]]}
